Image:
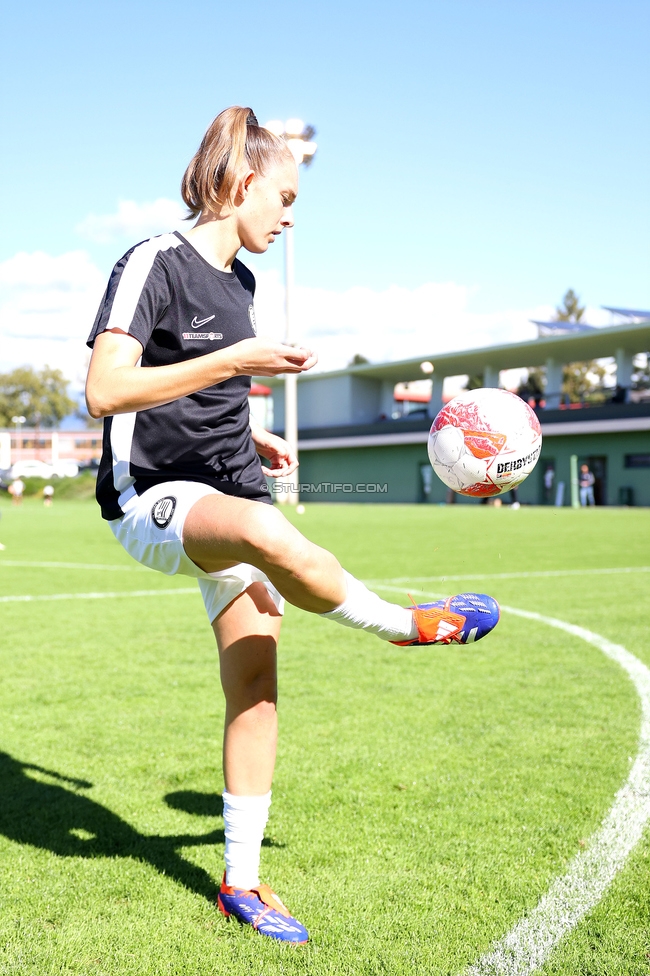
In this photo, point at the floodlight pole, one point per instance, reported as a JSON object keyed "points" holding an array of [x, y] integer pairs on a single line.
{"points": [[291, 495], [575, 492], [299, 139]]}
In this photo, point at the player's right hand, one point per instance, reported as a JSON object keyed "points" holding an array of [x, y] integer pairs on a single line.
{"points": [[265, 357]]}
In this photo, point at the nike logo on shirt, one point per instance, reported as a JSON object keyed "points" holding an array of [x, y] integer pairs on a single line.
{"points": [[197, 323]]}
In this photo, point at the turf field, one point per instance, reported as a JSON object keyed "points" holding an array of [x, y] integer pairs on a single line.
{"points": [[424, 800]]}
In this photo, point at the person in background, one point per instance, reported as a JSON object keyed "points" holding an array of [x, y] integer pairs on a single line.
{"points": [[586, 482], [3, 487], [48, 494], [16, 489], [549, 478]]}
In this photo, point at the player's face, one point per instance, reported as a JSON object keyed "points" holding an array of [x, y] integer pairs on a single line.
{"points": [[266, 210]]}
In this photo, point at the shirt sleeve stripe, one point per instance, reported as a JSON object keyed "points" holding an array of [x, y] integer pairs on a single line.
{"points": [[125, 302], [133, 280]]}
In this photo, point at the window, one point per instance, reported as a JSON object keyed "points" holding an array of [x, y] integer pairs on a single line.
{"points": [[637, 460], [32, 443]]}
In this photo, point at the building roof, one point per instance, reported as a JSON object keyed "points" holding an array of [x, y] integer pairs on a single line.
{"points": [[596, 344], [630, 313], [559, 327]]}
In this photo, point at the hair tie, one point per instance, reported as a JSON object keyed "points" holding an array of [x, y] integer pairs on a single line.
{"points": [[251, 119]]}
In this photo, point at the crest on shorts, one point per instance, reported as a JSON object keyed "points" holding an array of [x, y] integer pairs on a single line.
{"points": [[251, 318], [163, 510]]}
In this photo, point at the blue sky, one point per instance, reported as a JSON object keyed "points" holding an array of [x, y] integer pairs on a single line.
{"points": [[482, 154]]}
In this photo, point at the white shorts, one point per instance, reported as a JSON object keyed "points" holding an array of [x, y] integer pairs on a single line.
{"points": [[151, 531]]}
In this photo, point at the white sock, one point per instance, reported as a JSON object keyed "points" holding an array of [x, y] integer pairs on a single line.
{"points": [[244, 819], [364, 610]]}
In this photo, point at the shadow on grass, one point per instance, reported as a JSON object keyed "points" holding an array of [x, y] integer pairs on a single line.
{"points": [[55, 818], [200, 804]]}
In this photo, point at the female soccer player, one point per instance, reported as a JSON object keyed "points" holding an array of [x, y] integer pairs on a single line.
{"points": [[181, 483]]}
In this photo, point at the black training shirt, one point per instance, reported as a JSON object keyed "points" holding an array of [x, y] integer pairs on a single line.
{"points": [[179, 307]]}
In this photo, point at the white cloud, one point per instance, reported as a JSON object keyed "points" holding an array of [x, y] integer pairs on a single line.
{"points": [[47, 307], [48, 304], [397, 323], [133, 221]]}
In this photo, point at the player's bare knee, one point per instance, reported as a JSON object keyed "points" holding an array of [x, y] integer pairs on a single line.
{"points": [[273, 538], [258, 698], [263, 712], [307, 561]]}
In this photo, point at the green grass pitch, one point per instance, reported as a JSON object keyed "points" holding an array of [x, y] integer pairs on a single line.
{"points": [[424, 799]]}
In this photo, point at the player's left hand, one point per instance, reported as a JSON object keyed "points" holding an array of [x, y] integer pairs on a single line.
{"points": [[282, 459]]}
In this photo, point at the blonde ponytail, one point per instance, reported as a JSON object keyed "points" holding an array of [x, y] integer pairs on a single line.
{"points": [[234, 142]]}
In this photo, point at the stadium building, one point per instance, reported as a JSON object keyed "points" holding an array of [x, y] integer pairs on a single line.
{"points": [[360, 441]]}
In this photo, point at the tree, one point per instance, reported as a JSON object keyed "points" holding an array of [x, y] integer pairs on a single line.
{"points": [[358, 360], [582, 381], [41, 396], [533, 386], [641, 374], [570, 310]]}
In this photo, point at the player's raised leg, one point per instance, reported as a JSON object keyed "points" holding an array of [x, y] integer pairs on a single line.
{"points": [[221, 531], [247, 633]]}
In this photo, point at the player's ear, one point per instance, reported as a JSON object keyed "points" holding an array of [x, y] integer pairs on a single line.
{"points": [[243, 185]]}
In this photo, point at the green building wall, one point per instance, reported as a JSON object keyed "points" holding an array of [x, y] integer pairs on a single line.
{"points": [[613, 448], [392, 472], [395, 474]]}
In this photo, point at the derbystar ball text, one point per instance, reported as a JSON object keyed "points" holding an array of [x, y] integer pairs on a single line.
{"points": [[505, 467]]}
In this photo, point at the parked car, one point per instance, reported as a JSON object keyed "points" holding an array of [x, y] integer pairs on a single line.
{"points": [[65, 468], [31, 469]]}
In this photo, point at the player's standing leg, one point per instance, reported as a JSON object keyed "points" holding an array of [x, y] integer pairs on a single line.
{"points": [[247, 633]]}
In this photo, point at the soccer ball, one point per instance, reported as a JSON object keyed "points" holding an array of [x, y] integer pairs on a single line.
{"points": [[484, 442]]}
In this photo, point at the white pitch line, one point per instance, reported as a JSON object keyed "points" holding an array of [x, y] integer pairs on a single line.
{"points": [[528, 945], [374, 585], [97, 596], [538, 574], [41, 565], [534, 574]]}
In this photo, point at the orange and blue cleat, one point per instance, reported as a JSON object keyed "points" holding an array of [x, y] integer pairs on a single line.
{"points": [[460, 619], [262, 909]]}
